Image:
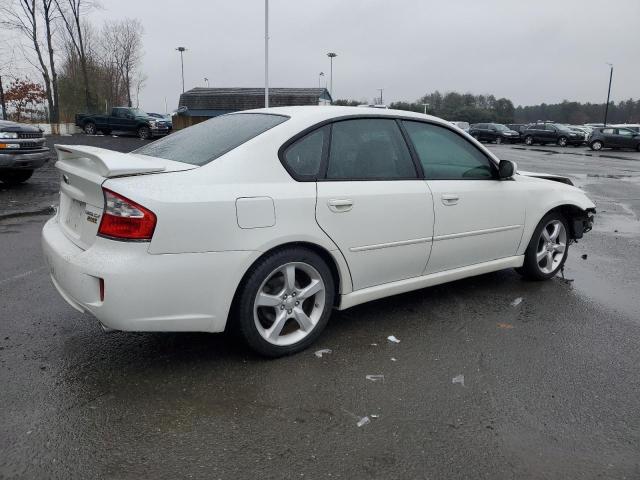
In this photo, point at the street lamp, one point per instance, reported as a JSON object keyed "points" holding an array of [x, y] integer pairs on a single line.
{"points": [[266, 53], [331, 56], [320, 75], [206, 80], [182, 50], [606, 108], [425, 105], [380, 90]]}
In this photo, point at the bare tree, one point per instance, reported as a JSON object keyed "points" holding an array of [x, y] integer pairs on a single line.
{"points": [[124, 38], [25, 16]]}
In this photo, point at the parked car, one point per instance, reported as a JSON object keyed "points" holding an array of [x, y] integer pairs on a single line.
{"points": [[122, 119], [163, 120], [631, 126], [22, 150], [461, 125], [516, 127], [544, 133], [612, 137], [264, 221], [493, 132]]}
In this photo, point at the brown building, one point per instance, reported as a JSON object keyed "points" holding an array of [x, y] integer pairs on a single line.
{"points": [[200, 104]]}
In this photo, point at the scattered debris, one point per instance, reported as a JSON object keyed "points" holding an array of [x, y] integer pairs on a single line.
{"points": [[363, 421], [505, 325], [375, 378], [516, 302], [393, 339], [319, 353], [375, 415], [394, 359], [373, 344], [584, 256], [458, 379]]}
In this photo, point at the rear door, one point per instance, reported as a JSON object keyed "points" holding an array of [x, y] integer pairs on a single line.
{"points": [[373, 204], [625, 138], [478, 218]]}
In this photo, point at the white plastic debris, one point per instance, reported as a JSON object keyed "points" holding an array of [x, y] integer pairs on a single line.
{"points": [[319, 353], [373, 344], [375, 415], [363, 421], [394, 359], [393, 339], [375, 378], [516, 302], [458, 379]]}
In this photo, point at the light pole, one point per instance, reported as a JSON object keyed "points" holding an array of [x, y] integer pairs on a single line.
{"points": [[380, 90], [182, 50], [266, 53], [425, 105], [331, 56], [320, 75], [606, 108], [206, 80]]}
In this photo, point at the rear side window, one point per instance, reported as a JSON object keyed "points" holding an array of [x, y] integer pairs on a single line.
{"points": [[208, 140], [369, 149], [607, 131], [445, 155], [303, 158]]}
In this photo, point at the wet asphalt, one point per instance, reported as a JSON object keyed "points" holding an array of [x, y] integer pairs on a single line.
{"points": [[493, 377]]}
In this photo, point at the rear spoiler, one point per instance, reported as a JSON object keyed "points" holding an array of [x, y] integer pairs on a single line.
{"points": [[108, 163]]}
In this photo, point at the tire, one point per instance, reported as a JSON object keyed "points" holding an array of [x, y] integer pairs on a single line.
{"points": [[528, 140], [498, 140], [563, 141], [547, 249], [638, 147], [596, 145], [268, 302], [476, 136], [144, 133], [90, 128], [15, 177]]}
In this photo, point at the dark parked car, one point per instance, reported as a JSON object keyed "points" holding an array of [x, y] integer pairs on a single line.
{"points": [[543, 133], [493, 132], [22, 150], [612, 137], [122, 119]]}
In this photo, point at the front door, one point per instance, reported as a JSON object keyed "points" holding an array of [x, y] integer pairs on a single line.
{"points": [[477, 217], [372, 203]]}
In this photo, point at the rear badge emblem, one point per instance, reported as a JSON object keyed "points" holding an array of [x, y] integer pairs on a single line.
{"points": [[92, 217], [66, 179]]}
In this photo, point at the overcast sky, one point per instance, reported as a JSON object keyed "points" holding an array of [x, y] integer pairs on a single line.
{"points": [[530, 51]]}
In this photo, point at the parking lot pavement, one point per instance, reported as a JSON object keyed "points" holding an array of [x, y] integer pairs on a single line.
{"points": [[493, 377]]}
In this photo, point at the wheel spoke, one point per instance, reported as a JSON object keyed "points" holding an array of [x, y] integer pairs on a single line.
{"points": [[303, 319], [556, 231], [541, 255], [266, 300], [549, 260], [560, 247], [274, 331], [545, 234], [310, 290], [290, 277]]}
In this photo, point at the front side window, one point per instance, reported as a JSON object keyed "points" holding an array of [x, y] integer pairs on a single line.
{"points": [[445, 155], [624, 132], [304, 156], [369, 149], [206, 141], [607, 131]]}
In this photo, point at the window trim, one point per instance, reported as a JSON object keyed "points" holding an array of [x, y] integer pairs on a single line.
{"points": [[492, 163]]}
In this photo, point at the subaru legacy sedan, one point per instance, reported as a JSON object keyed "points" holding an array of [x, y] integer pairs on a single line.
{"points": [[265, 221]]}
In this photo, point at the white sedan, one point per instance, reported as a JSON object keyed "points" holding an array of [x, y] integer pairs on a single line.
{"points": [[264, 221]]}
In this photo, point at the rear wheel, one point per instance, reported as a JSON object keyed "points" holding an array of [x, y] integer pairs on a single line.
{"points": [[285, 302], [15, 177], [596, 145], [528, 140], [562, 141], [498, 140], [548, 248], [144, 132], [90, 128]]}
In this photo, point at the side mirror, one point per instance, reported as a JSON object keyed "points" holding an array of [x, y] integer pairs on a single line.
{"points": [[507, 169]]}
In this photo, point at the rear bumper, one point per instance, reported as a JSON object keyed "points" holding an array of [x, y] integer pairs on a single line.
{"points": [[24, 160], [144, 292]]}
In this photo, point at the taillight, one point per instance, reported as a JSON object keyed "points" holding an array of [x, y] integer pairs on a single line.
{"points": [[124, 219]]}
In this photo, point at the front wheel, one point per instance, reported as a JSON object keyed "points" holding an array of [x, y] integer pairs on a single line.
{"points": [[528, 140], [144, 132], [15, 177], [562, 141], [90, 128], [285, 302], [548, 248], [498, 140], [596, 145]]}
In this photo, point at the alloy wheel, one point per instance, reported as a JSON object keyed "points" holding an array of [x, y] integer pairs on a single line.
{"points": [[498, 140], [562, 142], [597, 145], [528, 141], [289, 303], [551, 246]]}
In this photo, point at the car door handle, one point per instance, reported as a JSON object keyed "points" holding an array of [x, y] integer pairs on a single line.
{"points": [[449, 199], [340, 205]]}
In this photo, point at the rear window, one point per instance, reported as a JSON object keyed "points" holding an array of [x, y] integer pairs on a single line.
{"points": [[206, 141]]}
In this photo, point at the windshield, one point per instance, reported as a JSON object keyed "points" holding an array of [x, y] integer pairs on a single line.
{"points": [[206, 141], [138, 113], [564, 128], [500, 128]]}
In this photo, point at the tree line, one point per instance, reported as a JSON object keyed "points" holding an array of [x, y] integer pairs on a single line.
{"points": [[81, 67], [472, 108]]}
